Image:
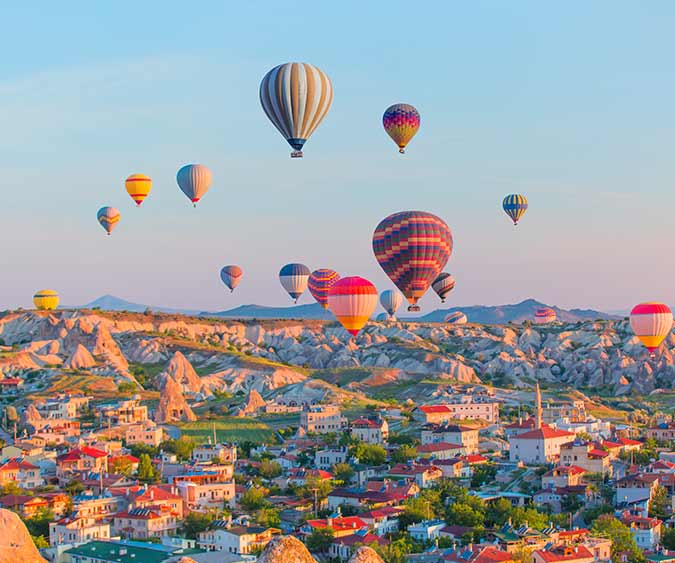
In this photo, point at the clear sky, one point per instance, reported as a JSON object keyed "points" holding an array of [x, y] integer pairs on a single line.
{"points": [[570, 103]]}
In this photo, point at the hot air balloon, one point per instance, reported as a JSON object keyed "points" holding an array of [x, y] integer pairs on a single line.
{"points": [[294, 278], [412, 247], [456, 318], [46, 300], [651, 323], [544, 315], [194, 180], [231, 276], [401, 122], [515, 206], [319, 284], [352, 300], [443, 285], [296, 97], [383, 317], [138, 187], [108, 217], [391, 300]]}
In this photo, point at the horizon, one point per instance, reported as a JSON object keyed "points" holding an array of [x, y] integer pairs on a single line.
{"points": [[515, 98]]}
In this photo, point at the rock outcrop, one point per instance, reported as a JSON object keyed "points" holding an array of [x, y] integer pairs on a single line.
{"points": [[182, 372], [81, 358], [286, 549], [15, 541], [365, 555], [254, 403], [172, 404]]}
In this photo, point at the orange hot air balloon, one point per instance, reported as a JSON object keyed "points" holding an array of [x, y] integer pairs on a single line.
{"points": [[138, 187], [352, 300], [651, 323]]}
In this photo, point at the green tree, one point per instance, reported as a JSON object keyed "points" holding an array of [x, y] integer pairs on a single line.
{"points": [[319, 540], [40, 542], [38, 524], [500, 512], [668, 538], [122, 466], [138, 449], [269, 469], [461, 514], [370, 454], [268, 517], [74, 487], [196, 522], [404, 453], [11, 488], [343, 472], [254, 499], [607, 526], [146, 470], [483, 474], [396, 551], [660, 504]]}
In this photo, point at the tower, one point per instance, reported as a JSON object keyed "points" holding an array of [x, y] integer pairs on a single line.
{"points": [[538, 415]]}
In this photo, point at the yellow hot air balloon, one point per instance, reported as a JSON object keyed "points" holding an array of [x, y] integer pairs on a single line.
{"points": [[46, 300], [138, 187]]}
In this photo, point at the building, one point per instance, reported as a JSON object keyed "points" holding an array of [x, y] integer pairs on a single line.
{"points": [[321, 419], [587, 455], [222, 536], [198, 496], [464, 436], [145, 523], [425, 531], [424, 475], [464, 407], [326, 459], [19, 471], [662, 432], [129, 411], [382, 521], [562, 476], [341, 526], [76, 530], [639, 488], [134, 552], [645, 531], [573, 411], [370, 430], [563, 554], [441, 450], [84, 459], [147, 433], [216, 453], [63, 407]]}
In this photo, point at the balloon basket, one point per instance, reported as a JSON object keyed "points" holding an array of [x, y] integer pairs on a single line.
{"points": [[296, 154], [414, 308], [401, 150]]}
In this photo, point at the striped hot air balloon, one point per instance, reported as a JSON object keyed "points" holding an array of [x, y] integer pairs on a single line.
{"points": [[443, 285], [391, 300], [296, 97], [651, 323], [138, 187], [456, 318], [515, 206], [108, 217], [412, 247], [194, 180], [46, 300], [401, 122], [352, 300], [544, 315], [319, 283], [294, 279], [231, 276]]}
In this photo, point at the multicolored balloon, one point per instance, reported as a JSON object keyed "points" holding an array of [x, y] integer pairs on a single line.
{"points": [[294, 279], [515, 206], [352, 300], [138, 187], [443, 285], [319, 283], [391, 300], [46, 300], [108, 217], [456, 318], [544, 315], [296, 97], [231, 276], [412, 247], [401, 122], [194, 180], [651, 323], [383, 317]]}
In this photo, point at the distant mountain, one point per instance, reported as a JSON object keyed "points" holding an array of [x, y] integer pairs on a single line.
{"points": [[313, 311], [112, 303], [519, 312]]}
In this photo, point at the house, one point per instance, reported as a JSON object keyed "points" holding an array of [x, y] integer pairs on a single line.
{"points": [[637, 488], [145, 523], [24, 505], [341, 526], [587, 455], [539, 446], [562, 476], [464, 407], [663, 432], [478, 554], [116, 551], [217, 453], [129, 411], [19, 471], [76, 530], [165, 497], [10, 385], [427, 530], [321, 419], [440, 450], [327, 458], [222, 536], [343, 547], [465, 436], [454, 468], [563, 554], [63, 407], [370, 430], [574, 411], [376, 494], [147, 433], [645, 531], [197, 496], [78, 460], [382, 521], [98, 507], [423, 475]]}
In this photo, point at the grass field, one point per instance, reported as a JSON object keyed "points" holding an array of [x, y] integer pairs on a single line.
{"points": [[230, 429], [92, 384]]}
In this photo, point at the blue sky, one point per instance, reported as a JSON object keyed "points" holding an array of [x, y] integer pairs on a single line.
{"points": [[571, 104]]}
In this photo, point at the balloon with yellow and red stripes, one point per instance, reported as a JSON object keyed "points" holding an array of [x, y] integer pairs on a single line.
{"points": [[651, 322], [138, 187], [320, 282], [352, 300]]}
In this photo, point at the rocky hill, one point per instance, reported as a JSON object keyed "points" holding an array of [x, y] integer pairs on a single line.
{"points": [[319, 359]]}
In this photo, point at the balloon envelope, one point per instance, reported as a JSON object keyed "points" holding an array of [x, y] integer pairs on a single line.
{"points": [[651, 323], [294, 279], [443, 285], [391, 300], [194, 180], [46, 299], [319, 283], [231, 276], [515, 206], [352, 300], [138, 187], [296, 97], [544, 315], [401, 122], [108, 217], [456, 318], [412, 247]]}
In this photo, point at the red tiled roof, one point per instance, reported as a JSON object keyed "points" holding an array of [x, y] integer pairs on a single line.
{"points": [[339, 524], [544, 433], [16, 463], [571, 554], [77, 453], [438, 447], [434, 409], [366, 423], [360, 539]]}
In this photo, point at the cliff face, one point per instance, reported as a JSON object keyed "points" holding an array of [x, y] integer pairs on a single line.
{"points": [[172, 404], [16, 544], [287, 549]]}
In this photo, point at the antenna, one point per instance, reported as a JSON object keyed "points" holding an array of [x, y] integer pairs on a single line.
{"points": [[214, 434]]}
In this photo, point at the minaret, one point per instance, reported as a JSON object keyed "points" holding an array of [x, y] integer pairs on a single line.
{"points": [[537, 407]]}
